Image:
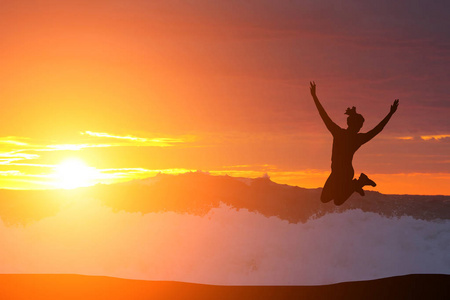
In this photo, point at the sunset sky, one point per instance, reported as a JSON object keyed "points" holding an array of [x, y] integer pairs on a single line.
{"points": [[109, 91]]}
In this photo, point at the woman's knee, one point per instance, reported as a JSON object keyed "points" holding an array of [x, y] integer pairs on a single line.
{"points": [[325, 197], [340, 200]]}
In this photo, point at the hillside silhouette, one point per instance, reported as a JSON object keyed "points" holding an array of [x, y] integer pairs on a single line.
{"points": [[64, 286]]}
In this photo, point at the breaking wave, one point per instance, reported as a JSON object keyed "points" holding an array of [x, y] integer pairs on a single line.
{"points": [[225, 246]]}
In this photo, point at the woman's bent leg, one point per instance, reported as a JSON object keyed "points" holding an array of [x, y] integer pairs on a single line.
{"points": [[328, 189], [346, 187]]}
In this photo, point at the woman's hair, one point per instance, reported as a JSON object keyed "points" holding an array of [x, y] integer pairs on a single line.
{"points": [[354, 119]]}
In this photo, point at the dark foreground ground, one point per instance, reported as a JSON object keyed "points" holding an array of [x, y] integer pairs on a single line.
{"points": [[96, 287]]}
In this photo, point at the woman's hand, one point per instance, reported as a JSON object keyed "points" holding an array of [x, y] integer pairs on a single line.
{"points": [[313, 88], [394, 106]]}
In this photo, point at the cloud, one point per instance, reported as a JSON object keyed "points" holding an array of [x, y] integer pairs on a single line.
{"points": [[9, 173], [405, 138], [21, 158], [8, 158], [72, 147], [434, 137], [13, 140], [139, 141], [17, 149]]}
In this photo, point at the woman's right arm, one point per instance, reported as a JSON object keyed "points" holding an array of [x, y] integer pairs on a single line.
{"points": [[332, 127]]}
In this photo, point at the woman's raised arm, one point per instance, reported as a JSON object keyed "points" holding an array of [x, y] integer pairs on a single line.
{"points": [[377, 129], [332, 127]]}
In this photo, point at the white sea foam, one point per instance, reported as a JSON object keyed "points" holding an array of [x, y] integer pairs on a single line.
{"points": [[225, 246]]}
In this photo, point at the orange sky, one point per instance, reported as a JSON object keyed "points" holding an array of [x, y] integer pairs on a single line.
{"points": [[136, 87]]}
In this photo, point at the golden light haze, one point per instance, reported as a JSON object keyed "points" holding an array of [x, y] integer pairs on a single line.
{"points": [[28, 165]]}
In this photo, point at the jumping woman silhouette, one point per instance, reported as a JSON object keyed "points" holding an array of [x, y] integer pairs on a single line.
{"points": [[340, 185]]}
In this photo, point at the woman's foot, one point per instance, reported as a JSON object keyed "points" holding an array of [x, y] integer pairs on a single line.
{"points": [[364, 180], [361, 182]]}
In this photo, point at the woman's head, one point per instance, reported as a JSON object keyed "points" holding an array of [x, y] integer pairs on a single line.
{"points": [[354, 121]]}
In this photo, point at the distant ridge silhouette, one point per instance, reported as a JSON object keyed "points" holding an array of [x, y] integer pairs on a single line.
{"points": [[198, 193]]}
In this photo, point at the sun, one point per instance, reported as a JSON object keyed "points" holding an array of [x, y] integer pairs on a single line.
{"points": [[73, 173]]}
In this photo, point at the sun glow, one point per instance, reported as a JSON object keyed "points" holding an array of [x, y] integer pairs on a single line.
{"points": [[73, 173]]}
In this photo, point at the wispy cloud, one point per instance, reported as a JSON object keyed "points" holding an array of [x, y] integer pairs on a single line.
{"points": [[430, 137], [13, 140], [72, 147], [404, 138], [7, 158], [21, 158], [10, 173], [435, 137], [107, 135], [16, 149], [139, 141]]}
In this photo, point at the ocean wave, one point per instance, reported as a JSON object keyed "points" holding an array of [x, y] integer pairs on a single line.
{"points": [[225, 246]]}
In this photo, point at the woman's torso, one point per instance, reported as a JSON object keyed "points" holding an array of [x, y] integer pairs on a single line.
{"points": [[345, 144]]}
